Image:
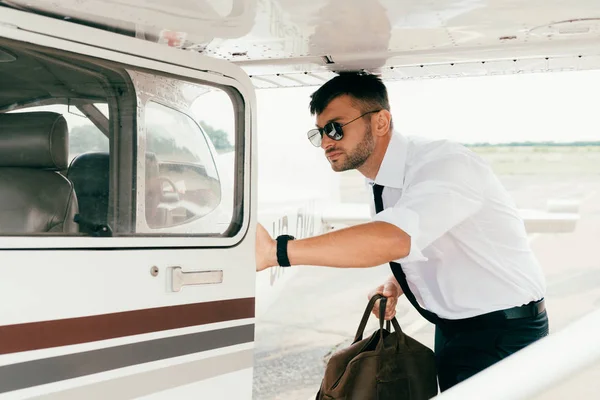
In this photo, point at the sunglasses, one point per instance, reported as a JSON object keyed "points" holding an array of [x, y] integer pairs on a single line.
{"points": [[333, 130]]}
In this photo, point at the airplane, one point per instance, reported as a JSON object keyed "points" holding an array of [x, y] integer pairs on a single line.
{"points": [[129, 272]]}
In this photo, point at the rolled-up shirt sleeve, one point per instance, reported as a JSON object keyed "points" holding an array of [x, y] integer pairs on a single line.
{"points": [[440, 195]]}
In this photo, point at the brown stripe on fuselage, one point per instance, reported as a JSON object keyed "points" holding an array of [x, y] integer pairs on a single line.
{"points": [[63, 332]]}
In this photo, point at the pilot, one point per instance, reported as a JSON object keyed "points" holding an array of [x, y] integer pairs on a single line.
{"points": [[456, 245]]}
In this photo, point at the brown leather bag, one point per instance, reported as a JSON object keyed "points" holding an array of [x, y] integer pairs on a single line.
{"points": [[386, 365]]}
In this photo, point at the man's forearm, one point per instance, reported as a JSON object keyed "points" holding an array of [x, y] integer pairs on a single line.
{"points": [[360, 246]]}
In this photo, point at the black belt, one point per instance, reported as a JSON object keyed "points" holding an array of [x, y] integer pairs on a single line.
{"points": [[529, 310], [532, 309]]}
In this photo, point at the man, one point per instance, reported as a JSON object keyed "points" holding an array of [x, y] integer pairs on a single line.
{"points": [[456, 245]]}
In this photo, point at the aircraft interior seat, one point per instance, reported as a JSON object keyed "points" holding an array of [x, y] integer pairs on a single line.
{"points": [[89, 173], [34, 196]]}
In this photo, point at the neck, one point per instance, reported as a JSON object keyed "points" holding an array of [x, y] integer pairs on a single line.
{"points": [[371, 166]]}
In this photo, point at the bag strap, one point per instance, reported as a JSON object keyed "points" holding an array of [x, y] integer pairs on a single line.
{"points": [[382, 305], [365, 317], [367, 313], [410, 296], [397, 268]]}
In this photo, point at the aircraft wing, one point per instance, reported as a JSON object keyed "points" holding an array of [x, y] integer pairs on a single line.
{"points": [[288, 43]]}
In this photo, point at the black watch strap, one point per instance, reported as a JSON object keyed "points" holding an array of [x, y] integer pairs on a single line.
{"points": [[282, 254]]}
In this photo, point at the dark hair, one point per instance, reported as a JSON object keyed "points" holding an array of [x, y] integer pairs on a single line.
{"points": [[368, 90]]}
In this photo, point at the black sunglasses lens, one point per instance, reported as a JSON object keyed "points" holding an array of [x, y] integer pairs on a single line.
{"points": [[333, 130]]}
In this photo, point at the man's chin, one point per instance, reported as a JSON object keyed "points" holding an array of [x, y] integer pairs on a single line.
{"points": [[338, 167]]}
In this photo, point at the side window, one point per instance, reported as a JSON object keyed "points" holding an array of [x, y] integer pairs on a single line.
{"points": [[181, 179], [186, 158], [85, 137]]}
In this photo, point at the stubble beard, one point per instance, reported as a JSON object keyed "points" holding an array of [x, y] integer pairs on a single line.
{"points": [[358, 156]]}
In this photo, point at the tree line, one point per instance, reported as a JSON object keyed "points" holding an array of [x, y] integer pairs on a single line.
{"points": [[83, 138], [535, 144]]}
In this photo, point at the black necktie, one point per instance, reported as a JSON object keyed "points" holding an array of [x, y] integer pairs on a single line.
{"points": [[397, 268]]}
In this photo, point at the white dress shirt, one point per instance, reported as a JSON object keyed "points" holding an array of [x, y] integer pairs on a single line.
{"points": [[469, 250]]}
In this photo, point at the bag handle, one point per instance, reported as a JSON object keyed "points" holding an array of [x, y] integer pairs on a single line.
{"points": [[387, 323], [365, 317]]}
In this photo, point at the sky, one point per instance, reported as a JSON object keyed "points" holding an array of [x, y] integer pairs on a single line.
{"points": [[558, 107], [530, 107], [533, 107]]}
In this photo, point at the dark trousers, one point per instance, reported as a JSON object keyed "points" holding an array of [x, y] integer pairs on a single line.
{"points": [[463, 351]]}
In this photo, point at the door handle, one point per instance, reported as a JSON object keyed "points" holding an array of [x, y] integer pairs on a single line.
{"points": [[180, 279]]}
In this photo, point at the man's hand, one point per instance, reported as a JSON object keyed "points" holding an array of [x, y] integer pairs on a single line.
{"points": [[390, 289], [266, 249]]}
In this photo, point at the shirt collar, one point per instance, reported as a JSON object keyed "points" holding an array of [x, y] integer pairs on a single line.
{"points": [[391, 171]]}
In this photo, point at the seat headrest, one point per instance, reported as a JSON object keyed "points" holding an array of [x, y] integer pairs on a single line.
{"points": [[89, 173], [34, 140]]}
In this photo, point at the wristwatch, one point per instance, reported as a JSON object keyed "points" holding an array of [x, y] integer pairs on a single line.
{"points": [[282, 255]]}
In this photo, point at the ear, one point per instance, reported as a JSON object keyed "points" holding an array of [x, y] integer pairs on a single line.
{"points": [[382, 123]]}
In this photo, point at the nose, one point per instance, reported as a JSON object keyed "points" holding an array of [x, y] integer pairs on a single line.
{"points": [[326, 142]]}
